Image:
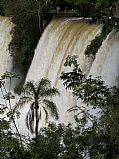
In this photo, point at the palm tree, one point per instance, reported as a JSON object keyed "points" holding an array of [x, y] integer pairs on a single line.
{"points": [[38, 95]]}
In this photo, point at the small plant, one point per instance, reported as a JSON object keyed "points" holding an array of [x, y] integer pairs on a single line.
{"points": [[7, 97]]}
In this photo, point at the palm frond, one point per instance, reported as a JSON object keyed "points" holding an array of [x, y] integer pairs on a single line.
{"points": [[30, 123], [74, 108], [27, 120], [29, 88], [30, 120], [49, 92], [46, 115], [22, 101], [51, 106], [42, 85]]}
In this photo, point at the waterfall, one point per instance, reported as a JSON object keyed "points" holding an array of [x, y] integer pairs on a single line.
{"points": [[106, 63], [71, 36], [62, 37], [5, 37], [6, 27]]}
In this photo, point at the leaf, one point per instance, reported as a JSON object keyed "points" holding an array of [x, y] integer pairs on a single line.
{"points": [[52, 108]]}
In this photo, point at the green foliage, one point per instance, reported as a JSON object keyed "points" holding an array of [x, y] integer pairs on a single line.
{"points": [[7, 95], [10, 143], [67, 142], [98, 3], [93, 48], [79, 1], [92, 8], [103, 139], [57, 142], [100, 140], [1, 8], [9, 146], [91, 91], [74, 77], [101, 4], [47, 144]]}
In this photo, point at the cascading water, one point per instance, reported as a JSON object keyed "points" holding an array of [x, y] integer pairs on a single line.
{"points": [[62, 37], [5, 59], [106, 63], [5, 37], [65, 37]]}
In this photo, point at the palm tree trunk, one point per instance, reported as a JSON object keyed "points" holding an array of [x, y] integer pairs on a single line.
{"points": [[37, 118]]}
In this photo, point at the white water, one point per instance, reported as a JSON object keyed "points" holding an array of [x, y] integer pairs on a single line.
{"points": [[5, 59], [5, 37], [106, 63]]}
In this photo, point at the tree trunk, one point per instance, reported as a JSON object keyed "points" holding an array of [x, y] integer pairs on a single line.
{"points": [[37, 118]]}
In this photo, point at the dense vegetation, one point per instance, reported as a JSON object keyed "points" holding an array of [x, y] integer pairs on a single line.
{"points": [[104, 132], [92, 8], [100, 140]]}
